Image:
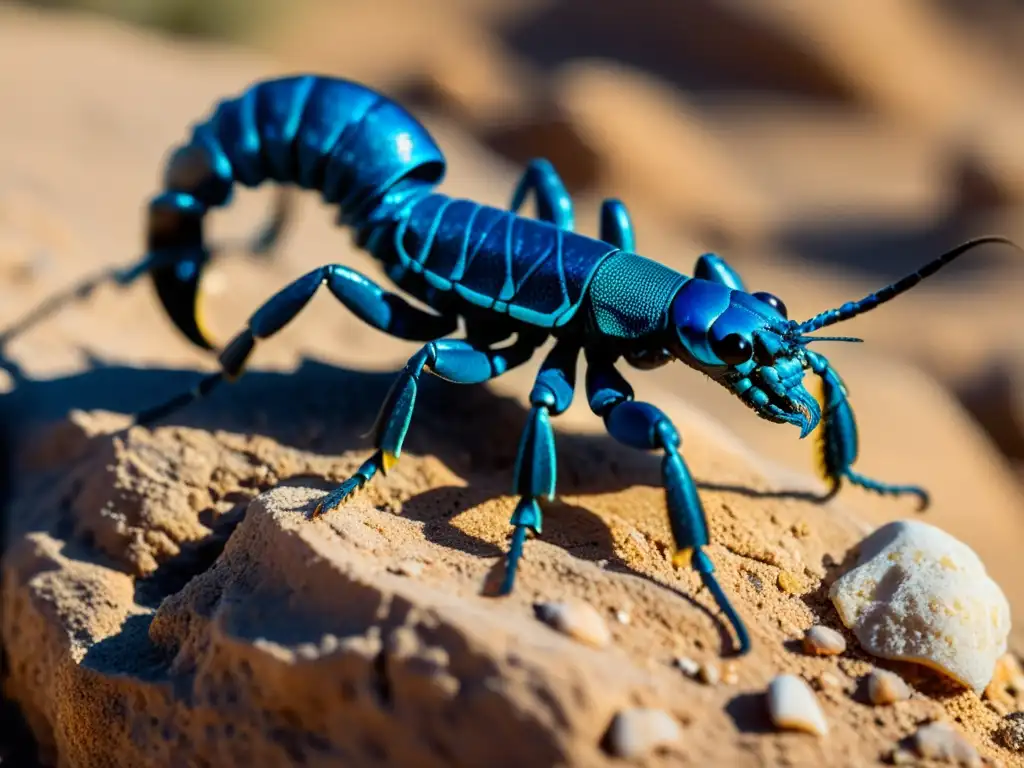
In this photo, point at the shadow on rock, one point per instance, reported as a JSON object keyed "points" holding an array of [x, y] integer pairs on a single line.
{"points": [[329, 410]]}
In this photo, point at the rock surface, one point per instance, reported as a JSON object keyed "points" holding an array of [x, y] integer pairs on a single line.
{"points": [[157, 593]]}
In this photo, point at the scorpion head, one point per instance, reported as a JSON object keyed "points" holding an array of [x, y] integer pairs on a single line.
{"points": [[746, 343]]}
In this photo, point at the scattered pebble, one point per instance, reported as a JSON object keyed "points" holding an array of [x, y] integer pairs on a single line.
{"points": [[412, 568], [1010, 732], [793, 705], [826, 681], [577, 620], [709, 674], [638, 731], [941, 741], [790, 583], [622, 617], [939, 606], [823, 641], [885, 687], [731, 675], [689, 667], [900, 756]]}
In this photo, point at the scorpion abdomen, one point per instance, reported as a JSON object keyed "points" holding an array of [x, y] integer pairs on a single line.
{"points": [[529, 270]]}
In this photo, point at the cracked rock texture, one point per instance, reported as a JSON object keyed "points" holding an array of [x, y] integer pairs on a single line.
{"points": [[166, 600]]}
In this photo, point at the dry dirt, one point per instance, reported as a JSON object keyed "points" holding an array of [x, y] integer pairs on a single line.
{"points": [[164, 605]]}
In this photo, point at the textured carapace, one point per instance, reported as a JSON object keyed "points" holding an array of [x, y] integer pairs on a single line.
{"points": [[498, 275]]}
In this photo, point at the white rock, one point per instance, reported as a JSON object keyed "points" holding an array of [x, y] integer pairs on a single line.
{"points": [[918, 594], [823, 641], [793, 705], [638, 731], [576, 619]]}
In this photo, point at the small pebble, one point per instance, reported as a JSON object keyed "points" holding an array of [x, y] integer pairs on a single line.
{"points": [[790, 583], [638, 731], [1010, 732], [823, 641], [900, 756], [622, 617], [411, 568], [885, 687], [689, 667], [577, 620], [709, 674], [793, 705], [731, 675], [827, 681], [941, 741]]}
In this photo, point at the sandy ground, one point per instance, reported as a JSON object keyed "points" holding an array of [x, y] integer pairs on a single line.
{"points": [[77, 166]]}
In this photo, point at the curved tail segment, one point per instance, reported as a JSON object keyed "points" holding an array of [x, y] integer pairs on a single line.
{"points": [[360, 150]]}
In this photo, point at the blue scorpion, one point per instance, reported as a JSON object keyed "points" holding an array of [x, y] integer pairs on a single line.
{"points": [[502, 275]]}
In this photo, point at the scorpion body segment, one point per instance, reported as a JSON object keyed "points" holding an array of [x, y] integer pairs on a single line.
{"points": [[498, 274]]}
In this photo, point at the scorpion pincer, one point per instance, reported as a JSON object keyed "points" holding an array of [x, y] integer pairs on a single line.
{"points": [[502, 274]]}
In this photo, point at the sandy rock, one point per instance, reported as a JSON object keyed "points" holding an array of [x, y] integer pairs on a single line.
{"points": [[793, 705], [636, 732], [918, 594], [823, 641]]}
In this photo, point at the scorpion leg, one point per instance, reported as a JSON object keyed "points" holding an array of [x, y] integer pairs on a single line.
{"points": [[453, 360], [379, 308], [715, 268], [839, 439], [617, 225], [535, 471], [643, 426], [554, 204]]}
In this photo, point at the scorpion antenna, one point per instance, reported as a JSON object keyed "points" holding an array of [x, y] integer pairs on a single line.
{"points": [[854, 308], [809, 339]]}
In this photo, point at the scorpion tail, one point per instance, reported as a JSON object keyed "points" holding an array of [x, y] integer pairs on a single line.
{"points": [[358, 149], [869, 302]]}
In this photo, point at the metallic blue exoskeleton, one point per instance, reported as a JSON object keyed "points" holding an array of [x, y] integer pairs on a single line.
{"points": [[501, 275]]}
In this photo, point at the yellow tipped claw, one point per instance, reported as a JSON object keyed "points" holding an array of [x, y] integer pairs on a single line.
{"points": [[387, 461], [683, 557]]}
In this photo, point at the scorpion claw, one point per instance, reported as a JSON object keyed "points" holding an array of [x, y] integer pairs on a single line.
{"points": [[350, 487], [337, 497]]}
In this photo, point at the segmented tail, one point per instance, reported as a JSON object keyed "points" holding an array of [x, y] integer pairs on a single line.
{"points": [[358, 149]]}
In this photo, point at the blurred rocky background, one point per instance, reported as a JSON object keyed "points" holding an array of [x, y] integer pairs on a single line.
{"points": [[824, 148]]}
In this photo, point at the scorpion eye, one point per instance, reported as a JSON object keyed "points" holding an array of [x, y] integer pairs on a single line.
{"points": [[772, 301], [648, 359], [733, 349]]}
